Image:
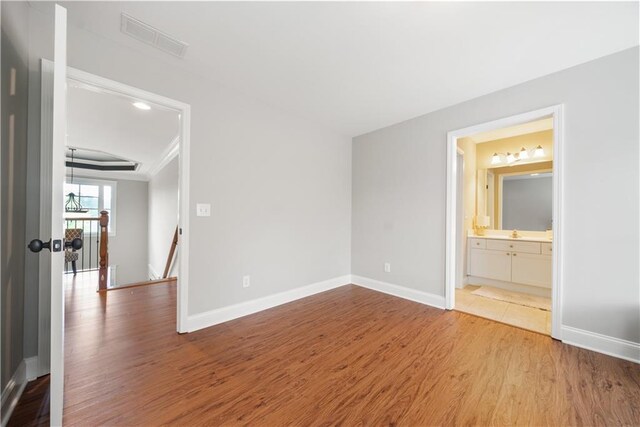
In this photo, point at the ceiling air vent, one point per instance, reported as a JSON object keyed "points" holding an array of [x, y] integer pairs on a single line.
{"points": [[146, 33]]}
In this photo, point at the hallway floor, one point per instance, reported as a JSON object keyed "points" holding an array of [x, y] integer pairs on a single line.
{"points": [[529, 318]]}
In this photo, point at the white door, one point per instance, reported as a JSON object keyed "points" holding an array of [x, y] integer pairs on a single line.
{"points": [[52, 170], [57, 221]]}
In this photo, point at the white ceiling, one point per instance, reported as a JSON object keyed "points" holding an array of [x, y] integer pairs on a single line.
{"points": [[358, 66], [111, 124]]}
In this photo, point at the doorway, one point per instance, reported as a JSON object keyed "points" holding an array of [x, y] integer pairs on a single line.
{"points": [[178, 151], [489, 257], [179, 148]]}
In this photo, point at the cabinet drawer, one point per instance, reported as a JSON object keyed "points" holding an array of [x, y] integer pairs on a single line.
{"points": [[547, 248], [477, 243], [510, 245]]}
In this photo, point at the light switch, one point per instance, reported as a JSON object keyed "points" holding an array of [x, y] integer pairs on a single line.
{"points": [[203, 209]]}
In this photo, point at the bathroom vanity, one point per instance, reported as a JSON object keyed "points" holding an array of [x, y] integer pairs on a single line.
{"points": [[499, 260]]}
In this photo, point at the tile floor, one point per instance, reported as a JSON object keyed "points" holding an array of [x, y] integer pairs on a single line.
{"points": [[521, 316]]}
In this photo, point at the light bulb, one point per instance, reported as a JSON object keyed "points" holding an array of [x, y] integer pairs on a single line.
{"points": [[495, 159], [524, 154], [539, 151], [510, 158]]}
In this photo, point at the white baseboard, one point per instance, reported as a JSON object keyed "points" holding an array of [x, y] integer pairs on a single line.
{"points": [[153, 274], [31, 365], [12, 392], [224, 314], [611, 346], [400, 291]]}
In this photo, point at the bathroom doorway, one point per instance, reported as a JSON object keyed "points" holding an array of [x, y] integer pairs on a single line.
{"points": [[503, 218]]}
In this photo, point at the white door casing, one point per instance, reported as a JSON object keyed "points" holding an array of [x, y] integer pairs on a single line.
{"points": [[556, 112]]}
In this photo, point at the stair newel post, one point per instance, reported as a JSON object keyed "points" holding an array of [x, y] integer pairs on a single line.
{"points": [[104, 251]]}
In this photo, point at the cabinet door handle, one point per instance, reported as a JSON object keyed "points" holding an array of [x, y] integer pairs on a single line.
{"points": [[508, 254], [514, 254]]}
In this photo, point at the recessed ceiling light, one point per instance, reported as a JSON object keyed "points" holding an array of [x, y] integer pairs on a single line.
{"points": [[141, 105]]}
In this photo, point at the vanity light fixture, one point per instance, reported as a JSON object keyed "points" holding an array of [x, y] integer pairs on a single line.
{"points": [[524, 154]]}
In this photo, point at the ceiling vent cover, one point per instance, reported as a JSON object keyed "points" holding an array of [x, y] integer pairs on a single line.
{"points": [[152, 36]]}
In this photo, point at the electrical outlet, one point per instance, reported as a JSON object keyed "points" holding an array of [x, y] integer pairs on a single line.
{"points": [[203, 209], [246, 281], [387, 267]]}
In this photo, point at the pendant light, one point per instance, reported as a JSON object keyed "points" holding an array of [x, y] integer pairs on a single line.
{"points": [[72, 204]]}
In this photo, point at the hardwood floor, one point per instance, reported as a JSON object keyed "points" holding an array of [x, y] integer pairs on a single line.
{"points": [[347, 356], [33, 408]]}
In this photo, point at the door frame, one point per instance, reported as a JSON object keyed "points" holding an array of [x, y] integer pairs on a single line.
{"points": [[182, 149], [557, 113]]}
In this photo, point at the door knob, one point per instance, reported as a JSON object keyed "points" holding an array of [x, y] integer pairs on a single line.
{"points": [[36, 245], [75, 244]]}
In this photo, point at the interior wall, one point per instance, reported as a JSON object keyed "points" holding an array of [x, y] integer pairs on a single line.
{"points": [[468, 196], [279, 185], [399, 191], [13, 178], [163, 218], [470, 179], [128, 248]]}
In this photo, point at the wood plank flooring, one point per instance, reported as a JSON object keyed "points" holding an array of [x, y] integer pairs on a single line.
{"points": [[33, 408], [348, 356]]}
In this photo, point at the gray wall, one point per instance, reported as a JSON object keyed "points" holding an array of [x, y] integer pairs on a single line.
{"points": [[128, 248], [279, 185], [527, 204], [163, 217], [40, 46], [13, 178], [399, 191]]}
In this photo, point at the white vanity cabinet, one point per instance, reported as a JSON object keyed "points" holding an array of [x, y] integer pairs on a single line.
{"points": [[507, 260], [490, 264]]}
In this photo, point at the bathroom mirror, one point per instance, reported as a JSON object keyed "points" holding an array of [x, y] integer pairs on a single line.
{"points": [[521, 200]]}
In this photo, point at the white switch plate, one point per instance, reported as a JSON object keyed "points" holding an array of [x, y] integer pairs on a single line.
{"points": [[203, 209], [387, 267], [246, 281]]}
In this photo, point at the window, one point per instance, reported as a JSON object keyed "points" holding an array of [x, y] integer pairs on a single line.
{"points": [[94, 195]]}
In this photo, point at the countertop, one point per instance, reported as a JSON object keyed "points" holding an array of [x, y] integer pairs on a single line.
{"points": [[522, 239]]}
